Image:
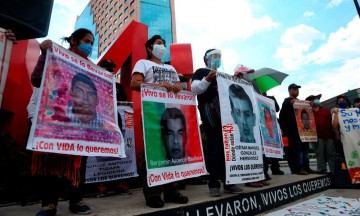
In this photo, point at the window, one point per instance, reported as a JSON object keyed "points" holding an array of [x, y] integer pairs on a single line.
{"points": [[126, 9], [126, 18], [110, 27], [132, 13], [120, 16], [115, 3], [115, 12], [120, 6], [120, 24], [115, 21], [110, 18], [115, 30], [106, 15], [110, 35], [132, 3]]}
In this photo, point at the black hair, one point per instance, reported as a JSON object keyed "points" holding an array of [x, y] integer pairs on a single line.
{"points": [[108, 65], [344, 97], [151, 42], [207, 51], [77, 35], [240, 93], [356, 100], [304, 112], [171, 113], [79, 77]]}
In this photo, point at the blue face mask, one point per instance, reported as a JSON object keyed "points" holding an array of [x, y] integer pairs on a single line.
{"points": [[316, 102], [85, 48], [343, 105]]}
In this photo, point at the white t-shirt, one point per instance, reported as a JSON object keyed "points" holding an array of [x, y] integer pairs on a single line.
{"points": [[156, 73]]}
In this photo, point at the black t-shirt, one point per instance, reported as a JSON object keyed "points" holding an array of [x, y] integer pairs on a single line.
{"points": [[211, 91]]}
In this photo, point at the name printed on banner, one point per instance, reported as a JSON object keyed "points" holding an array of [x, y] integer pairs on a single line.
{"points": [[229, 142], [351, 121], [175, 175], [146, 92], [175, 161], [272, 151], [80, 62], [72, 147]]}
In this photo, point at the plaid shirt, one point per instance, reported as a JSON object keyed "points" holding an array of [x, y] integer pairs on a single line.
{"points": [[97, 122]]}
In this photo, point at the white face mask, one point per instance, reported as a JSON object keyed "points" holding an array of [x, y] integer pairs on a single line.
{"points": [[159, 51]]}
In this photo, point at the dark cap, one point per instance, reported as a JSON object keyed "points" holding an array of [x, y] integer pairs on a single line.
{"points": [[293, 86], [313, 97]]}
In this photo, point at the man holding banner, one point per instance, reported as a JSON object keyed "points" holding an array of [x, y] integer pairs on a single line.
{"points": [[204, 84]]}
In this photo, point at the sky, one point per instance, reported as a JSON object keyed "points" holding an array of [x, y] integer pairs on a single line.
{"points": [[316, 42]]}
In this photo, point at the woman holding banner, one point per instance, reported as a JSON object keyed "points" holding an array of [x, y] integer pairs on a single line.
{"points": [[54, 168], [152, 71]]}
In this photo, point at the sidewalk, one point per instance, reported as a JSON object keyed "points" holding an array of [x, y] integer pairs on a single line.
{"points": [[199, 200]]}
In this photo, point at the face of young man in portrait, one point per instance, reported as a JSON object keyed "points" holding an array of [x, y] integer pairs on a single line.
{"points": [[305, 120], [244, 118], [269, 124], [174, 139], [85, 101]]}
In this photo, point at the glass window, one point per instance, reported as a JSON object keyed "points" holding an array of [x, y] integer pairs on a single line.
{"points": [[126, 9], [126, 18], [120, 16], [110, 27], [110, 18], [115, 21], [120, 24], [132, 13], [115, 12], [115, 30], [120, 6], [110, 35], [106, 15], [115, 3], [132, 3]]}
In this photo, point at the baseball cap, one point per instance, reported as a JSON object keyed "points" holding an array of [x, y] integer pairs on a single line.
{"points": [[293, 86], [313, 97], [242, 69]]}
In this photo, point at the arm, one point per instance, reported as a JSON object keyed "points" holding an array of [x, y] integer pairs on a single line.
{"points": [[199, 86], [335, 125], [36, 75], [138, 78]]}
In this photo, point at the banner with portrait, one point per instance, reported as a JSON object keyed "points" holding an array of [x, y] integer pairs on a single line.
{"points": [[349, 120], [5, 51], [269, 127], [76, 110], [102, 169], [305, 121], [173, 149], [240, 127]]}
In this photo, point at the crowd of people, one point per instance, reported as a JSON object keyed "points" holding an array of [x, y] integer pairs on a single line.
{"points": [[152, 71]]}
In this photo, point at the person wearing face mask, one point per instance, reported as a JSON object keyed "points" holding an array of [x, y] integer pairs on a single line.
{"points": [[343, 103], [54, 168], [203, 83], [325, 146], [152, 71]]}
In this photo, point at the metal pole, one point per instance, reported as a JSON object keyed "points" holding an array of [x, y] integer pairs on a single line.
{"points": [[357, 7]]}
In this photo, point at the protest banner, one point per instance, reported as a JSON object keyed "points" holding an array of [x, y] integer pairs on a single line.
{"points": [[322, 205], [269, 127], [305, 121], [241, 134], [5, 51], [349, 120], [76, 109], [173, 149], [102, 169]]}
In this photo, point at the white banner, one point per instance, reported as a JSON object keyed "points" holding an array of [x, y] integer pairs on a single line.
{"points": [[102, 169], [349, 120], [76, 111], [269, 127], [173, 149], [241, 134], [5, 52]]}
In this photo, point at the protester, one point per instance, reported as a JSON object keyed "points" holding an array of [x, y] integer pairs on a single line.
{"points": [[357, 103], [324, 147], [205, 86], [152, 71], [55, 167], [342, 102], [298, 159], [119, 186]]}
